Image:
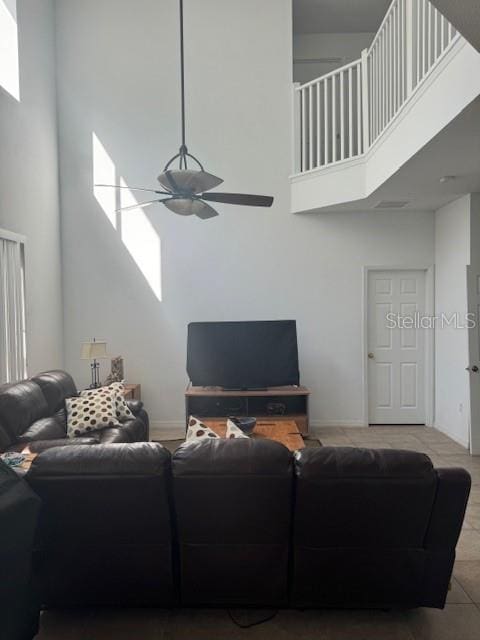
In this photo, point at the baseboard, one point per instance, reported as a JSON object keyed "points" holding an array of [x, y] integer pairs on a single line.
{"points": [[464, 443], [317, 424]]}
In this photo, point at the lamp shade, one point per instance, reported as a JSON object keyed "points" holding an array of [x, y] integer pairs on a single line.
{"points": [[93, 350]]}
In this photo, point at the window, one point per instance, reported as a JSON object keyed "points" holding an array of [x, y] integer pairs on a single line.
{"points": [[13, 363], [9, 72]]}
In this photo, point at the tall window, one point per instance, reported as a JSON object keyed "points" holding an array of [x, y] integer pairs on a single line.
{"points": [[13, 362], [9, 71]]}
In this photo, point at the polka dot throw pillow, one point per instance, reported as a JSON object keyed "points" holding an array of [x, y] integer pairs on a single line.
{"points": [[117, 390], [199, 431], [88, 413], [233, 431]]}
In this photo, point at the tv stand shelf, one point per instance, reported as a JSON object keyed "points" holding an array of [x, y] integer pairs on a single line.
{"points": [[275, 403]]}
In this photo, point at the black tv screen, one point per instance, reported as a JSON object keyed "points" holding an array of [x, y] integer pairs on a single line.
{"points": [[243, 355]]}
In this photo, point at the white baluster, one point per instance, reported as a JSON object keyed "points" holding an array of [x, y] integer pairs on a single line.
{"points": [[395, 56], [334, 119], [362, 92], [304, 133], [428, 34], [350, 113], [409, 46], [442, 33], [325, 118], [359, 110], [319, 159], [310, 128], [296, 113], [342, 117], [419, 40]]}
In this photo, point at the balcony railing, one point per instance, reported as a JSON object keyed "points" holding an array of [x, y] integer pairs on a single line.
{"points": [[343, 113]]}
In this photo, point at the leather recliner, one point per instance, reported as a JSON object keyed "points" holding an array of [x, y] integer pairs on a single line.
{"points": [[105, 533], [233, 515], [374, 528], [32, 413]]}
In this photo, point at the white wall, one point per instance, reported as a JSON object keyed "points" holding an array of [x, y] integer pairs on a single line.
{"points": [[118, 78], [29, 180], [452, 254], [318, 46]]}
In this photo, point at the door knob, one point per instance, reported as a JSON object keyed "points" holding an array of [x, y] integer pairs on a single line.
{"points": [[371, 355], [473, 369]]}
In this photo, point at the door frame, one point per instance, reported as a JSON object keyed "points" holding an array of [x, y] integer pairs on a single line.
{"points": [[429, 336]]}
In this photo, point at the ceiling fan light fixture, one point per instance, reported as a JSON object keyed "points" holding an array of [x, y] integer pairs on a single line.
{"points": [[191, 207]]}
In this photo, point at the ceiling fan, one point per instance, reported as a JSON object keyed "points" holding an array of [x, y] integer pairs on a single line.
{"points": [[186, 191]]}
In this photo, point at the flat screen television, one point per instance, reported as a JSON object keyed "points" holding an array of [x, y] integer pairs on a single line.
{"points": [[243, 355]]}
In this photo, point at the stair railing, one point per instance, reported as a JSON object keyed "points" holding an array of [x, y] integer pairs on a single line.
{"points": [[340, 115]]}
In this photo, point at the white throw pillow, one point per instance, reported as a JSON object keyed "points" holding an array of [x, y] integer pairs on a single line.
{"points": [[233, 431], [89, 413], [117, 391], [198, 431]]}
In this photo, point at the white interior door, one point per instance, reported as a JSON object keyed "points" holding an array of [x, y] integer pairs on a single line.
{"points": [[396, 347], [473, 291]]}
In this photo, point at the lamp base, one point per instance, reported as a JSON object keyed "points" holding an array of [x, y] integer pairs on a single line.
{"points": [[95, 369]]}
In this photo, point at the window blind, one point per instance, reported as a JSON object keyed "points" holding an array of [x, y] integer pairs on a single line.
{"points": [[12, 312]]}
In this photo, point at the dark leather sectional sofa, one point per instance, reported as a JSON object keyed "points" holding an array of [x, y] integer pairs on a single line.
{"points": [[245, 523], [238, 522], [32, 413]]}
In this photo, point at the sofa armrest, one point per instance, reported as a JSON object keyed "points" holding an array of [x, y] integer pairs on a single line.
{"points": [[453, 489], [38, 446], [446, 519], [135, 406]]}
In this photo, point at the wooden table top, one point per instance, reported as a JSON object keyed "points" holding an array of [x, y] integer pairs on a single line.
{"points": [[284, 431]]}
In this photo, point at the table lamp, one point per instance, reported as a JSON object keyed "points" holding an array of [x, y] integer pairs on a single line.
{"points": [[94, 350]]}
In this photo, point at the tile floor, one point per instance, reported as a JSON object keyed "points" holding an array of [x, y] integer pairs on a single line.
{"points": [[460, 620]]}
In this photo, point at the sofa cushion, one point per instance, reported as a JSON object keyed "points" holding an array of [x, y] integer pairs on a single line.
{"points": [[44, 429], [21, 404], [56, 386]]}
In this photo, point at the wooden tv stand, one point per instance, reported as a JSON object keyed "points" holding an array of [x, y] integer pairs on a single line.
{"points": [[275, 403]]}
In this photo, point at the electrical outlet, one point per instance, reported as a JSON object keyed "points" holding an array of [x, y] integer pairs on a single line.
{"points": [[460, 408]]}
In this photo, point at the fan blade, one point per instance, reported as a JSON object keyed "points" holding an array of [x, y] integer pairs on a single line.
{"points": [[140, 205], [246, 199], [117, 186]]}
